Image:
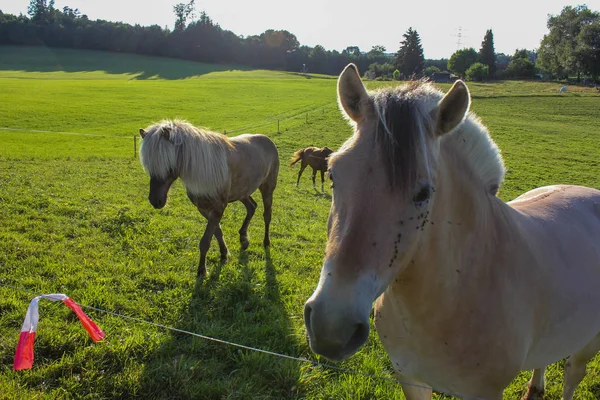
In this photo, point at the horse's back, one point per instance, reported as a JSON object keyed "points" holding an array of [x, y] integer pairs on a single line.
{"points": [[257, 142], [560, 226], [559, 201], [253, 163]]}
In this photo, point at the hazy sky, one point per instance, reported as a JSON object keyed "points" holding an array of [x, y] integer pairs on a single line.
{"points": [[336, 24]]}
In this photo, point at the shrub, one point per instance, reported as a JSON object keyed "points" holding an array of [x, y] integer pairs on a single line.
{"points": [[520, 68], [431, 70], [396, 75], [477, 72]]}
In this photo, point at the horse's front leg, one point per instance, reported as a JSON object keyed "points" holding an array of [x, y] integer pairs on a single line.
{"points": [[250, 205], [414, 390], [314, 178], [214, 218], [536, 385], [220, 238], [322, 181]]}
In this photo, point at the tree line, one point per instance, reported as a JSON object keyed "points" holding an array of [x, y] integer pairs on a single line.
{"points": [[571, 48], [197, 39]]}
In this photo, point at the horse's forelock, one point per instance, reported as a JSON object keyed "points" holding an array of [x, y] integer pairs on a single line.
{"points": [[157, 154], [401, 131]]}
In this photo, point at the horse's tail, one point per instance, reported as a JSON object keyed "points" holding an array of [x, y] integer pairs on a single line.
{"points": [[296, 157]]}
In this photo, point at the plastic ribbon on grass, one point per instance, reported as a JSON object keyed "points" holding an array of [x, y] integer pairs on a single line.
{"points": [[24, 353]]}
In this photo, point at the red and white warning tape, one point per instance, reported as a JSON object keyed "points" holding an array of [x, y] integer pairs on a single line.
{"points": [[24, 353]]}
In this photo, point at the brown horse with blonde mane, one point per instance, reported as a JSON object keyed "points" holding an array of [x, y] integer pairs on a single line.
{"points": [[216, 170], [314, 157], [469, 290]]}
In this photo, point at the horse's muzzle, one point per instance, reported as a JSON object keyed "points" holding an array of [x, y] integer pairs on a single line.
{"points": [[157, 203], [332, 335]]}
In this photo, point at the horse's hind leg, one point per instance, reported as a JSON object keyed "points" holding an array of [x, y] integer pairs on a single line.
{"points": [[250, 210], [302, 168], [575, 367], [536, 385], [322, 181]]}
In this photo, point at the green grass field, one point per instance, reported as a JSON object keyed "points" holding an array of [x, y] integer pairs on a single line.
{"points": [[74, 218]]}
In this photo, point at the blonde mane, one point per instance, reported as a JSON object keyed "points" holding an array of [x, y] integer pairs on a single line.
{"points": [[198, 156], [473, 141]]}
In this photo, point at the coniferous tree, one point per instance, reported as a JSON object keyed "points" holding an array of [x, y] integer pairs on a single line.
{"points": [[409, 59], [487, 55]]}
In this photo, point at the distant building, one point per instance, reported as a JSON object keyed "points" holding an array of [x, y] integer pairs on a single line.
{"points": [[443, 77]]}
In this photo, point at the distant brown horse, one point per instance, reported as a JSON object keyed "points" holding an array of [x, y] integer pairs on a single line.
{"points": [[216, 170], [316, 158]]}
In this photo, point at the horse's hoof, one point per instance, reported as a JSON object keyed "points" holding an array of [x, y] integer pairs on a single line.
{"points": [[533, 393], [245, 243], [224, 257], [201, 272], [266, 242]]}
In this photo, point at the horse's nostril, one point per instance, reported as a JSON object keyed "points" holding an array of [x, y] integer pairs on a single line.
{"points": [[307, 312], [360, 335]]}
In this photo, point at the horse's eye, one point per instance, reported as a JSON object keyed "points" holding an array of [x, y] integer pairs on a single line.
{"points": [[423, 195]]}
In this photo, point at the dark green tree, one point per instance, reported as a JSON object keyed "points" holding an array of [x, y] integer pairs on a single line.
{"points": [[520, 66], [487, 55], [588, 49], [317, 59], [563, 50], [40, 11], [182, 13], [409, 59], [461, 60], [376, 52]]}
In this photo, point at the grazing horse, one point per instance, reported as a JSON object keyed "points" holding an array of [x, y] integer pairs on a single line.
{"points": [[469, 290], [316, 158], [216, 170]]}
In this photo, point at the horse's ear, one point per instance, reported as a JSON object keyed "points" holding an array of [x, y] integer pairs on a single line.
{"points": [[352, 94], [453, 108], [165, 132], [142, 133]]}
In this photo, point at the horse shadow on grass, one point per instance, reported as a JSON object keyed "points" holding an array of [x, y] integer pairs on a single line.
{"points": [[239, 301]]}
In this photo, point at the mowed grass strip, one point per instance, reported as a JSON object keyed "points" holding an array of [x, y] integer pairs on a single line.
{"points": [[74, 218]]}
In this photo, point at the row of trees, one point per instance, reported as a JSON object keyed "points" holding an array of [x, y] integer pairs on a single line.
{"points": [[194, 37], [571, 47]]}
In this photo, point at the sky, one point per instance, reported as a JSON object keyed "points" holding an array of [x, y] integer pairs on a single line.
{"points": [[443, 25]]}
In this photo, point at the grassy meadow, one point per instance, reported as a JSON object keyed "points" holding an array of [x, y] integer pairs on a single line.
{"points": [[74, 219]]}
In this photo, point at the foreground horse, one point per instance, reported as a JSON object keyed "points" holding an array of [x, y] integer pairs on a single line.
{"points": [[215, 170], [316, 158], [470, 290]]}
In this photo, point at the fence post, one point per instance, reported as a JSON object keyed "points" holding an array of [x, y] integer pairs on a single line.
{"points": [[134, 146]]}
